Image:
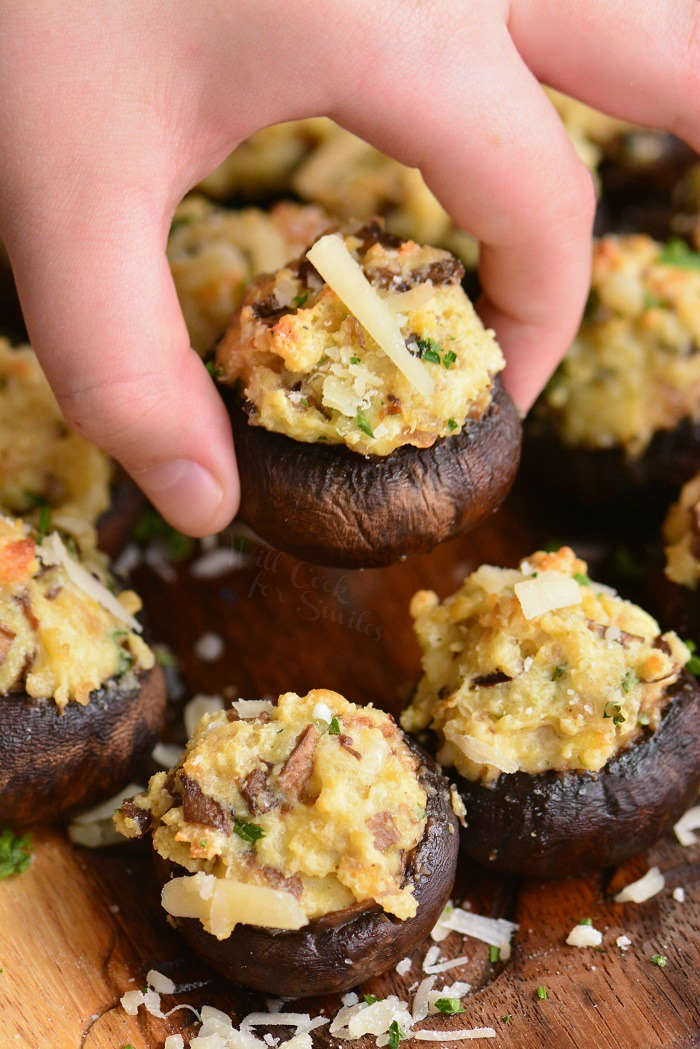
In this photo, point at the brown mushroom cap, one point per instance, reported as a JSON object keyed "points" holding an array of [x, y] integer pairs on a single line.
{"points": [[676, 606], [557, 824], [343, 948], [327, 504], [606, 479], [52, 762]]}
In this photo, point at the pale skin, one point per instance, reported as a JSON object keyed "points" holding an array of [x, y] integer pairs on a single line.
{"points": [[112, 111]]}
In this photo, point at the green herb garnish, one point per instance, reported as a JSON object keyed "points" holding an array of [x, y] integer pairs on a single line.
{"points": [[396, 1033], [370, 999], [356, 360], [151, 527], [494, 954], [164, 656], [448, 359], [452, 425], [299, 300], [15, 853], [250, 832], [586, 921], [629, 681], [215, 370], [693, 664], [677, 253], [614, 711], [334, 727], [363, 423], [449, 1006], [430, 350], [659, 959], [581, 579], [541, 993], [558, 671], [44, 523], [506, 1019]]}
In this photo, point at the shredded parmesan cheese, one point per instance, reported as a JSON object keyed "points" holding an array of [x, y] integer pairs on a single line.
{"points": [[53, 552], [584, 936], [642, 889], [547, 592], [253, 708], [494, 931], [689, 822], [197, 707], [344, 275]]}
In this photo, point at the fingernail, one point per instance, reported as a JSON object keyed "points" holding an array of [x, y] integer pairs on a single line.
{"points": [[184, 492]]}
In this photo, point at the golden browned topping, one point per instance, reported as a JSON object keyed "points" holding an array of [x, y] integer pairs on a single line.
{"points": [[538, 668], [311, 370], [314, 797], [682, 535], [63, 634], [45, 463], [215, 252], [634, 367]]}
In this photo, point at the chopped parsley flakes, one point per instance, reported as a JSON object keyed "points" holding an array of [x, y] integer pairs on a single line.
{"points": [[448, 359], [614, 711], [15, 853], [558, 671], [629, 681], [494, 954], [659, 959], [363, 423], [586, 921], [693, 664], [452, 425], [541, 993], [396, 1033], [334, 727], [677, 253], [370, 999], [581, 579], [250, 832], [299, 300], [449, 1006]]}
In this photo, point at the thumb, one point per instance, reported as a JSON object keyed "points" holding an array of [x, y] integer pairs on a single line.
{"points": [[105, 322]]}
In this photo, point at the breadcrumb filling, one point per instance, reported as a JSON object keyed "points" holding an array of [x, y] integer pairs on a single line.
{"points": [[682, 535], [308, 369], [316, 797], [538, 668], [634, 367]]}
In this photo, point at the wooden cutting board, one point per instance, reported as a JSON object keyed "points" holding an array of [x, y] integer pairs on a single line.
{"points": [[80, 927]]}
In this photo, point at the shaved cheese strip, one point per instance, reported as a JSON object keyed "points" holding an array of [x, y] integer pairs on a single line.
{"points": [[404, 966], [253, 708], [453, 1036], [689, 822], [642, 889], [413, 299], [344, 275], [52, 552], [432, 955], [105, 809], [547, 592], [174, 1041], [443, 967], [494, 931], [159, 982], [584, 936], [220, 904], [421, 1005], [477, 751]]}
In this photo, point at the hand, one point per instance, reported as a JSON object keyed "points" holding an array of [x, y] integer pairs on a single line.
{"points": [[111, 112]]}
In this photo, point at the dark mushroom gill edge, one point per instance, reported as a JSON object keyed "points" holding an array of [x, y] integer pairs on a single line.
{"points": [[327, 504], [556, 824], [342, 949], [51, 763]]}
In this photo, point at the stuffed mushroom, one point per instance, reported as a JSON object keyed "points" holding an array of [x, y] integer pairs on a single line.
{"points": [[81, 698], [619, 423], [368, 411], [566, 716], [303, 846]]}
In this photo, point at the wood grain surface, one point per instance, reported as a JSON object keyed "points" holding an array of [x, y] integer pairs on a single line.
{"points": [[80, 927]]}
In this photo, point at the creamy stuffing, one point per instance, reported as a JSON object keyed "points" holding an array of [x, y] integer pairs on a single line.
{"points": [[56, 640], [516, 681], [634, 367], [45, 464], [215, 252], [682, 535], [315, 797], [308, 369]]}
